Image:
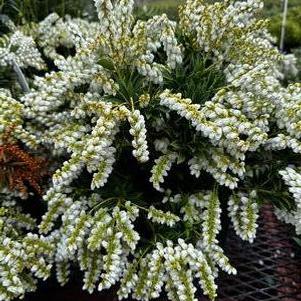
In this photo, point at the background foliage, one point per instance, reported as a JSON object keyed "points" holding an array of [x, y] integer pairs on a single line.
{"points": [[293, 28], [21, 11]]}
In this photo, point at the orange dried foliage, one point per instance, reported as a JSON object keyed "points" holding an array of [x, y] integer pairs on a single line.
{"points": [[19, 169]]}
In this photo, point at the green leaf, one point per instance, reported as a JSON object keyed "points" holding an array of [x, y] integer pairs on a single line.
{"points": [[106, 63]]}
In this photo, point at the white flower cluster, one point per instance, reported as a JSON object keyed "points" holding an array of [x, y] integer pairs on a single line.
{"points": [[22, 50], [114, 16], [162, 217], [56, 89], [211, 224], [202, 208], [184, 108], [292, 218], [223, 126], [83, 235], [176, 265], [16, 259], [281, 142], [12, 218], [193, 209], [11, 120], [162, 28], [292, 178], [288, 67], [95, 151], [138, 131], [52, 89], [160, 169], [225, 26], [54, 32], [23, 255], [220, 165], [287, 116], [243, 211], [137, 44], [57, 202], [62, 272]]}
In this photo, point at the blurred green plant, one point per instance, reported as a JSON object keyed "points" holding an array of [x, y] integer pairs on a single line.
{"points": [[274, 7], [22, 11], [293, 27], [169, 7]]}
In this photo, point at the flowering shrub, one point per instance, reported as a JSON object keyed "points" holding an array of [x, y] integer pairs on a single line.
{"points": [[154, 127], [24, 255]]}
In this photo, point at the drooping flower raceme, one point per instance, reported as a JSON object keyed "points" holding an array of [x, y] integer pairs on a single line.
{"points": [[292, 179]]}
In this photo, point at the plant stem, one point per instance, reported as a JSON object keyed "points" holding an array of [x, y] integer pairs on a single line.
{"points": [[20, 77]]}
